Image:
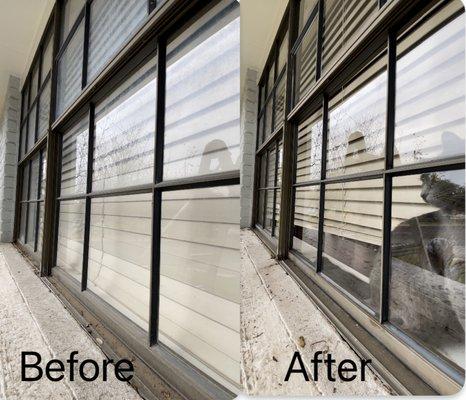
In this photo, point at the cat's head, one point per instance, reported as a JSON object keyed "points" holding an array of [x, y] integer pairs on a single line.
{"points": [[439, 191]]}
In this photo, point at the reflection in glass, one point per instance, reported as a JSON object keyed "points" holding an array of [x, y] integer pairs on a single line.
{"points": [[428, 260], [356, 129], [124, 133], [120, 254], [353, 236], [306, 222], [70, 67], [109, 28], [71, 237], [309, 149], [202, 96], [430, 102], [74, 159], [306, 61], [199, 278]]}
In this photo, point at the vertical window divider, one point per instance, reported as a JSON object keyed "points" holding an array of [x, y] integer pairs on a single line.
{"points": [[323, 175], [288, 129], [320, 38], [36, 238], [275, 184], [27, 198], [87, 17], [157, 193], [38, 94], [58, 142], [87, 215], [389, 154]]}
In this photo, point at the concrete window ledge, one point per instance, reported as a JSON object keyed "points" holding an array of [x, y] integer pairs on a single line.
{"points": [[32, 318], [277, 319]]}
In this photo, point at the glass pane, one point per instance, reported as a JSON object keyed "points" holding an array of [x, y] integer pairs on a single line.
{"points": [[41, 227], [280, 162], [25, 182], [120, 254], [124, 133], [70, 11], [199, 278], [69, 78], [202, 131], [427, 269], [25, 104], [23, 139], [305, 9], [271, 166], [268, 118], [270, 79], [305, 60], [356, 128], [309, 149], [47, 58], [343, 22], [353, 238], [261, 129], [35, 166], [283, 53], [280, 102], [306, 222], [260, 208], [31, 228], [32, 128], [22, 224], [34, 82], [71, 237], [263, 171], [74, 159], [269, 194], [110, 27], [43, 174], [430, 102], [277, 213], [44, 110]]}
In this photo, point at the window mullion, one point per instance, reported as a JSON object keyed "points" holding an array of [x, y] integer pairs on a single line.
{"points": [[87, 17], [320, 38]]}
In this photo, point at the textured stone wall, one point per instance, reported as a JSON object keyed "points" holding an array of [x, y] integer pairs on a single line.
{"points": [[9, 139]]}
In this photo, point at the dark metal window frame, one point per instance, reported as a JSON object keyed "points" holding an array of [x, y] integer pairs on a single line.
{"points": [[166, 19], [400, 360]]}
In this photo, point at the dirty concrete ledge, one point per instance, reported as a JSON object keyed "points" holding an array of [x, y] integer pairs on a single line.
{"points": [[32, 318], [277, 319]]}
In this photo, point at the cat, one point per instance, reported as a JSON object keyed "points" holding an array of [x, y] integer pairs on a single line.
{"points": [[429, 305]]}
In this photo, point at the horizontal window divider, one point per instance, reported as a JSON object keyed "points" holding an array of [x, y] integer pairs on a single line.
{"points": [[71, 33], [436, 165], [32, 201], [210, 180], [273, 137], [306, 27], [147, 188], [392, 14], [308, 183], [344, 178], [269, 188], [159, 18], [41, 142], [79, 196]]}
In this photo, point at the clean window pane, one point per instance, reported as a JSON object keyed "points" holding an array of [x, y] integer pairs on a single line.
{"points": [[70, 65], [430, 102], [356, 127], [44, 110], [71, 237], [71, 11], [305, 60], [309, 149], [74, 159], [202, 96], [47, 58], [124, 133], [353, 238], [32, 128], [31, 228], [199, 278], [427, 267], [306, 222], [305, 9], [110, 26], [22, 224], [120, 254], [343, 22]]}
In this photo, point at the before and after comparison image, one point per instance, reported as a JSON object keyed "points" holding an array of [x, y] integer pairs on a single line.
{"points": [[220, 199]]}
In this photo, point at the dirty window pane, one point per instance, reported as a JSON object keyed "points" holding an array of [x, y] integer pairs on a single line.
{"points": [[427, 268], [71, 237], [202, 128], [306, 221], [199, 278], [74, 159], [430, 103], [353, 237], [120, 254], [110, 27], [124, 133]]}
